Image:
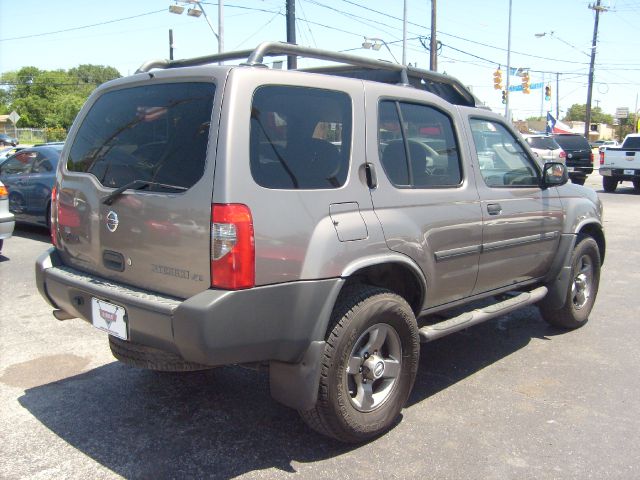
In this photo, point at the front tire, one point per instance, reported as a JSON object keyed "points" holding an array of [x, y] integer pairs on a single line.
{"points": [[582, 290], [609, 184], [369, 365]]}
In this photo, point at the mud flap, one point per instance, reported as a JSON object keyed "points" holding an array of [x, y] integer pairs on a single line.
{"points": [[295, 385]]}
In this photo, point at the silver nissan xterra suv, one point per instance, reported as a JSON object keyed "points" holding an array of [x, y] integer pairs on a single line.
{"points": [[322, 223]]}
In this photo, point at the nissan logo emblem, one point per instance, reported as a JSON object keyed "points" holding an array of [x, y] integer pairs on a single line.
{"points": [[112, 221], [378, 370]]}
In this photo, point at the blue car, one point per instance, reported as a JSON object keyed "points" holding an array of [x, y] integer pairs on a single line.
{"points": [[29, 175]]}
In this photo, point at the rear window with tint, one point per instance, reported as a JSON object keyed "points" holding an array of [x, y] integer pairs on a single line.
{"points": [[156, 133], [300, 137], [572, 142], [632, 142], [543, 143]]}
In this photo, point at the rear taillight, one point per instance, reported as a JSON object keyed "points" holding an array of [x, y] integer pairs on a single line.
{"points": [[232, 247], [563, 154], [4, 193], [52, 219], [601, 154], [592, 158]]}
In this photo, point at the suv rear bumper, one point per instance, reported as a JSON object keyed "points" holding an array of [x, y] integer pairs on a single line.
{"points": [[578, 170], [620, 173], [214, 327]]}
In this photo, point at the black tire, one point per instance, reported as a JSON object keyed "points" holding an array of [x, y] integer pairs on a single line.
{"points": [[582, 290], [1, 243], [359, 401], [636, 186], [141, 356], [609, 184], [578, 180]]}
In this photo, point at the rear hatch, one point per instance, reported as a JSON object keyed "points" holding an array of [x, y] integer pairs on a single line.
{"points": [[134, 192], [577, 149]]}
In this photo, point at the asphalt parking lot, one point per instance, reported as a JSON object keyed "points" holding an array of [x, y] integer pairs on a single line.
{"points": [[512, 398]]}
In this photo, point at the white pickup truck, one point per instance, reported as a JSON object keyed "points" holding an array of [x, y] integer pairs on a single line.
{"points": [[618, 164]]}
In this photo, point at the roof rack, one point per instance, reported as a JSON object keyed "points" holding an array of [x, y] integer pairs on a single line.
{"points": [[256, 56]]}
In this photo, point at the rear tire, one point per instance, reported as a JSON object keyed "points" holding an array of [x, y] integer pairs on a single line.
{"points": [[636, 186], [609, 184], [582, 290], [369, 365], [141, 356]]}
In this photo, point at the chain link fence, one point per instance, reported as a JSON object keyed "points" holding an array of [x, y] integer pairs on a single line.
{"points": [[29, 136]]}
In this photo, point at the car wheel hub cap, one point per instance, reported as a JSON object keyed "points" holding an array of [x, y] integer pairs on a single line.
{"points": [[374, 367], [581, 288]]}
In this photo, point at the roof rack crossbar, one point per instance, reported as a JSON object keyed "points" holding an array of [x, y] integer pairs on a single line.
{"points": [[281, 48], [256, 57]]}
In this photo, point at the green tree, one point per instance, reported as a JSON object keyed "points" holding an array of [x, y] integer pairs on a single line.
{"points": [[50, 98], [578, 113]]}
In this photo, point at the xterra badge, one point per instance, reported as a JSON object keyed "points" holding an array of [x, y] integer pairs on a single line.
{"points": [[112, 221]]}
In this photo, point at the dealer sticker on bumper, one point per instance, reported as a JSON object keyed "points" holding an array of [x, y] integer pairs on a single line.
{"points": [[109, 317]]}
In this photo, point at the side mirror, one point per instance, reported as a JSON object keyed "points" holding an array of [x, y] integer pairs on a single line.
{"points": [[554, 174]]}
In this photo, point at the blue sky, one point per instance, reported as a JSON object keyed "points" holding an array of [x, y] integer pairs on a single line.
{"points": [[124, 34]]}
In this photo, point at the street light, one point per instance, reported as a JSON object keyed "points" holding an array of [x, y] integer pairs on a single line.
{"points": [[552, 34], [377, 45], [196, 12]]}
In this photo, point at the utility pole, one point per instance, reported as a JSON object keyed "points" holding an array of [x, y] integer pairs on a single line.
{"points": [[558, 96], [170, 44], [433, 54], [587, 121], [220, 26], [506, 104], [292, 60], [404, 34]]}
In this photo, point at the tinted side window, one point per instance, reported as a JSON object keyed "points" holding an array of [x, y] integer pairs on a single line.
{"points": [[503, 162], [46, 161], [572, 142], [157, 133], [300, 137], [20, 163], [423, 152], [543, 143]]}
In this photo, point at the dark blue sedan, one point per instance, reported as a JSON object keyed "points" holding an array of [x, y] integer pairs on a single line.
{"points": [[29, 175]]}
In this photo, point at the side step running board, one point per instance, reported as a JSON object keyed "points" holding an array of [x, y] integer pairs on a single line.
{"points": [[474, 317]]}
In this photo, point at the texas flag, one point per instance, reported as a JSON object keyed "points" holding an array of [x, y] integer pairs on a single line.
{"points": [[556, 126]]}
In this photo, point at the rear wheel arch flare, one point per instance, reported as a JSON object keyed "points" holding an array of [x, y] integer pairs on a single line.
{"points": [[396, 277]]}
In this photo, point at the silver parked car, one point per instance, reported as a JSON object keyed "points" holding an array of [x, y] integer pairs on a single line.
{"points": [[545, 148], [7, 220], [309, 221]]}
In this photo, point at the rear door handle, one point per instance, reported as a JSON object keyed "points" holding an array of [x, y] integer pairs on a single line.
{"points": [[494, 209]]}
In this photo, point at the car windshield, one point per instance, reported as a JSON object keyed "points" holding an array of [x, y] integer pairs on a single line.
{"points": [[545, 143], [572, 142]]}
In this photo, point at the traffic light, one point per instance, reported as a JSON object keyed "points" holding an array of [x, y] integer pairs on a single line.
{"points": [[504, 96], [547, 93], [525, 83], [497, 79]]}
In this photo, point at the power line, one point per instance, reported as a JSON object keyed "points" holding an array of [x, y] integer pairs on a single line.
{"points": [[81, 27]]}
